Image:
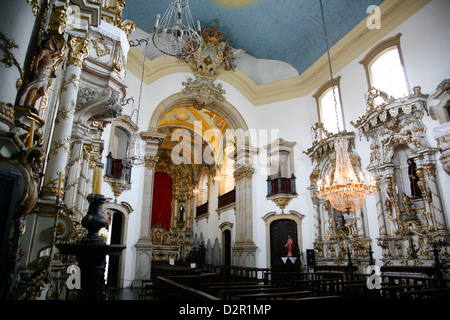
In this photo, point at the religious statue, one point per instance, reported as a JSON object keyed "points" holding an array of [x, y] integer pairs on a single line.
{"points": [[289, 245], [389, 204], [181, 213], [407, 205], [413, 179], [228, 59], [188, 50], [389, 198], [42, 69]]}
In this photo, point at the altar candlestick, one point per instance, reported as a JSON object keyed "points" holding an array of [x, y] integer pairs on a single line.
{"points": [[59, 184]]}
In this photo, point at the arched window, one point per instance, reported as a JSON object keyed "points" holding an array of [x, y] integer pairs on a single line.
{"points": [[203, 189], [385, 68], [326, 107], [121, 137]]}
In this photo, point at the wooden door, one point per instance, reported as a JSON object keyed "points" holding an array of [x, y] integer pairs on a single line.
{"points": [[279, 232]]}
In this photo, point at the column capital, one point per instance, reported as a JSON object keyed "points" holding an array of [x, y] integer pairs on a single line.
{"points": [[151, 161], [153, 139], [79, 50], [153, 136]]}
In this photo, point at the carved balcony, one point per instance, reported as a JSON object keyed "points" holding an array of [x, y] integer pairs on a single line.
{"points": [[201, 209], [281, 190], [118, 175], [226, 198]]}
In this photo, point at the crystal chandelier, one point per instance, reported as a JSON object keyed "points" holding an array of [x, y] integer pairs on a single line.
{"points": [[347, 192], [171, 36]]}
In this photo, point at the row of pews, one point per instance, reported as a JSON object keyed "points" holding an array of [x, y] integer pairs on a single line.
{"points": [[240, 283]]}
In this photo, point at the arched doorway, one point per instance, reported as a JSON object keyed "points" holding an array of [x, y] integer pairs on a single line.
{"points": [[278, 227]]}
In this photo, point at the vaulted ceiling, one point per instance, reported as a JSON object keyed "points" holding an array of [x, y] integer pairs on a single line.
{"points": [[284, 30]]}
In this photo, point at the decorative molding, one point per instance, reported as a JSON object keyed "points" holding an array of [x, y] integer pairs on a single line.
{"points": [[9, 58], [355, 43], [79, 50]]}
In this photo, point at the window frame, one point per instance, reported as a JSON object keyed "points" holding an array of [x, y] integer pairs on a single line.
{"points": [[377, 51], [321, 92]]}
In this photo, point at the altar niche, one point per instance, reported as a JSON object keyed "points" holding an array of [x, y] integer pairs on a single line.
{"points": [[410, 214]]}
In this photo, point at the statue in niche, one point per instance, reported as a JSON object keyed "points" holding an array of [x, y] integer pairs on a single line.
{"points": [[407, 206], [413, 179], [181, 213], [180, 222], [389, 205], [43, 65], [289, 245]]}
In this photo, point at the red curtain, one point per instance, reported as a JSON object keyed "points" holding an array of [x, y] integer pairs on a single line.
{"points": [[162, 196]]}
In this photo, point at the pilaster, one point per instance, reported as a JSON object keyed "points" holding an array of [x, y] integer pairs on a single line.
{"points": [[144, 247]]}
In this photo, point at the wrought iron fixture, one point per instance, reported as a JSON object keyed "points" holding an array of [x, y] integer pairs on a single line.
{"points": [[171, 36], [134, 150], [347, 192]]}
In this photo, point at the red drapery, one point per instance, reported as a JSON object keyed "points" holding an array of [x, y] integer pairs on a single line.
{"points": [[162, 196]]}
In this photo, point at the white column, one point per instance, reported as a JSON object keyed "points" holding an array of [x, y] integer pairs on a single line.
{"points": [[144, 247], [60, 145], [244, 249]]}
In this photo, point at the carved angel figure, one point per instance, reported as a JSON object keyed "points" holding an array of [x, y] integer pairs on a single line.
{"points": [[42, 69]]}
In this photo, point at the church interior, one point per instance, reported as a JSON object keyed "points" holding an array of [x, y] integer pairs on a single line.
{"points": [[224, 150]]}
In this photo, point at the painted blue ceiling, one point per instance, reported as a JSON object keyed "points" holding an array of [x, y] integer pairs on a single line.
{"points": [[286, 30]]}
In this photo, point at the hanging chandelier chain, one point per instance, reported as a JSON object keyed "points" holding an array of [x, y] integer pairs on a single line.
{"points": [[331, 69], [141, 84]]}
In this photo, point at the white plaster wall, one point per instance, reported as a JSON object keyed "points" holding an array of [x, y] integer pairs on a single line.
{"points": [[425, 45], [17, 21]]}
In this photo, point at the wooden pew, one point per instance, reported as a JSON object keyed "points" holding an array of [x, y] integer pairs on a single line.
{"points": [[393, 292], [206, 286], [275, 295], [147, 290], [229, 293], [318, 286], [216, 289], [429, 294], [319, 298]]}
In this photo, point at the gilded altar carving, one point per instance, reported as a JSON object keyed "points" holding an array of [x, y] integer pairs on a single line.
{"points": [[410, 213], [52, 52], [101, 47], [79, 50], [207, 60], [9, 59], [58, 20]]}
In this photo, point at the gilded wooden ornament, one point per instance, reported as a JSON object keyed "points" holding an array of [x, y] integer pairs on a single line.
{"points": [[78, 50]]}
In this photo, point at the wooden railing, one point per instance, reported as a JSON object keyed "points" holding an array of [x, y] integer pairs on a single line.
{"points": [[281, 185], [227, 198], [201, 209], [184, 292], [118, 169]]}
